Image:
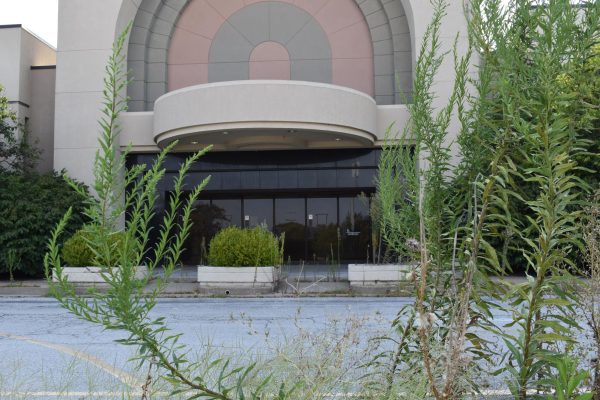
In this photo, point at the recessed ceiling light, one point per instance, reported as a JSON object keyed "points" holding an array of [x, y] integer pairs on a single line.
{"points": [[194, 142], [292, 131], [225, 133], [337, 139]]}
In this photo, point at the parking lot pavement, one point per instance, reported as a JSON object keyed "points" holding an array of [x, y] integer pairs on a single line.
{"points": [[46, 351]]}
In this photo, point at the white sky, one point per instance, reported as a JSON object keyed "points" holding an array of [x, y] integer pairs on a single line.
{"points": [[39, 16]]}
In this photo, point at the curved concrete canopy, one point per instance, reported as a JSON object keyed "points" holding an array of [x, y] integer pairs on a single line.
{"points": [[265, 114], [390, 30]]}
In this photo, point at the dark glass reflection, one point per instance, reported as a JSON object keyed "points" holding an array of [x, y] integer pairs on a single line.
{"points": [[206, 220], [322, 232], [289, 220], [258, 212], [232, 210], [355, 227]]}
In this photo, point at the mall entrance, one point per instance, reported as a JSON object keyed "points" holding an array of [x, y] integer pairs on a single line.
{"points": [[318, 230], [318, 198]]}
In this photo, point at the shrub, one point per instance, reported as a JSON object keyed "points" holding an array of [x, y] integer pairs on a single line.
{"points": [[77, 251], [30, 206], [236, 247]]}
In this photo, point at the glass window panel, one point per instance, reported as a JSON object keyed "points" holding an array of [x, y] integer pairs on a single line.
{"points": [[288, 179], [326, 179], [258, 212], [348, 178], [366, 177], [250, 180], [268, 179], [322, 230], [230, 211], [307, 178], [355, 228], [204, 227], [290, 220], [230, 180]]}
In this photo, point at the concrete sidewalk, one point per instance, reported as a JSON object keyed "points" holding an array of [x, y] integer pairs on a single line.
{"points": [[295, 281]]}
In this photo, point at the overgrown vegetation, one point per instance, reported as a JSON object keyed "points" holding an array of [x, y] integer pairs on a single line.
{"points": [[17, 155], [125, 305], [591, 297], [515, 196], [520, 142], [30, 207], [245, 247], [30, 204], [76, 251]]}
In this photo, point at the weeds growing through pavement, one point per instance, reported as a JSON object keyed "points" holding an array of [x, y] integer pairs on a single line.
{"points": [[517, 130]]}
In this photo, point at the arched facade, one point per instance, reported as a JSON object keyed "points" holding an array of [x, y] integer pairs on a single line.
{"points": [[296, 97], [360, 44]]}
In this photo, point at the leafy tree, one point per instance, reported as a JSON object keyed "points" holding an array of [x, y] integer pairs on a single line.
{"points": [[16, 154], [30, 206]]}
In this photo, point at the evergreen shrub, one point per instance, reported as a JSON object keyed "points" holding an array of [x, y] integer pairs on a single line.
{"points": [[30, 206], [77, 252], [237, 247]]}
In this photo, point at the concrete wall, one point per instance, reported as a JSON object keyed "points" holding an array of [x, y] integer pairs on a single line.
{"points": [[41, 122], [34, 52], [29, 89], [10, 66], [86, 33]]}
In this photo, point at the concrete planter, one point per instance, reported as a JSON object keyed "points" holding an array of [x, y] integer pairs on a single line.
{"points": [[236, 280], [93, 274], [375, 274]]}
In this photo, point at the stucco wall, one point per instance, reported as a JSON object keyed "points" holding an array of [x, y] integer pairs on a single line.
{"points": [[30, 92], [41, 122], [10, 67]]}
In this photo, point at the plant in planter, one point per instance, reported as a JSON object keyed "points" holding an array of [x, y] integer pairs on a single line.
{"points": [[80, 256], [242, 258]]}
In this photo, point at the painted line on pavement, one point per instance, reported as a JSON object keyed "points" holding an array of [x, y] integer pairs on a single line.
{"points": [[121, 375]]}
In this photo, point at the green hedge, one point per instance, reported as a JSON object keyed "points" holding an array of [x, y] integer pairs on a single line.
{"points": [[76, 251], [30, 207], [236, 247]]}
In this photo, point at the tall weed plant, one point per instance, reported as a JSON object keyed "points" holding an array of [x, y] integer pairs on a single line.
{"points": [[130, 195], [530, 50], [517, 129]]}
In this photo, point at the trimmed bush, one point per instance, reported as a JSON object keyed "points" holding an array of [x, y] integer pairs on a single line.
{"points": [[76, 251], [30, 207], [237, 247]]}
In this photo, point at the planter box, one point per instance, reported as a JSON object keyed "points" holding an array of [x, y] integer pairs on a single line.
{"points": [[375, 274], [92, 274], [227, 278]]}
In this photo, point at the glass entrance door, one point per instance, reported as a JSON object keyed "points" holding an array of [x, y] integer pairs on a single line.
{"points": [[318, 230], [355, 229], [322, 232], [290, 217]]}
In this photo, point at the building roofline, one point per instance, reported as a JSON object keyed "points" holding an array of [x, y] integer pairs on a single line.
{"points": [[20, 26], [38, 38]]}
